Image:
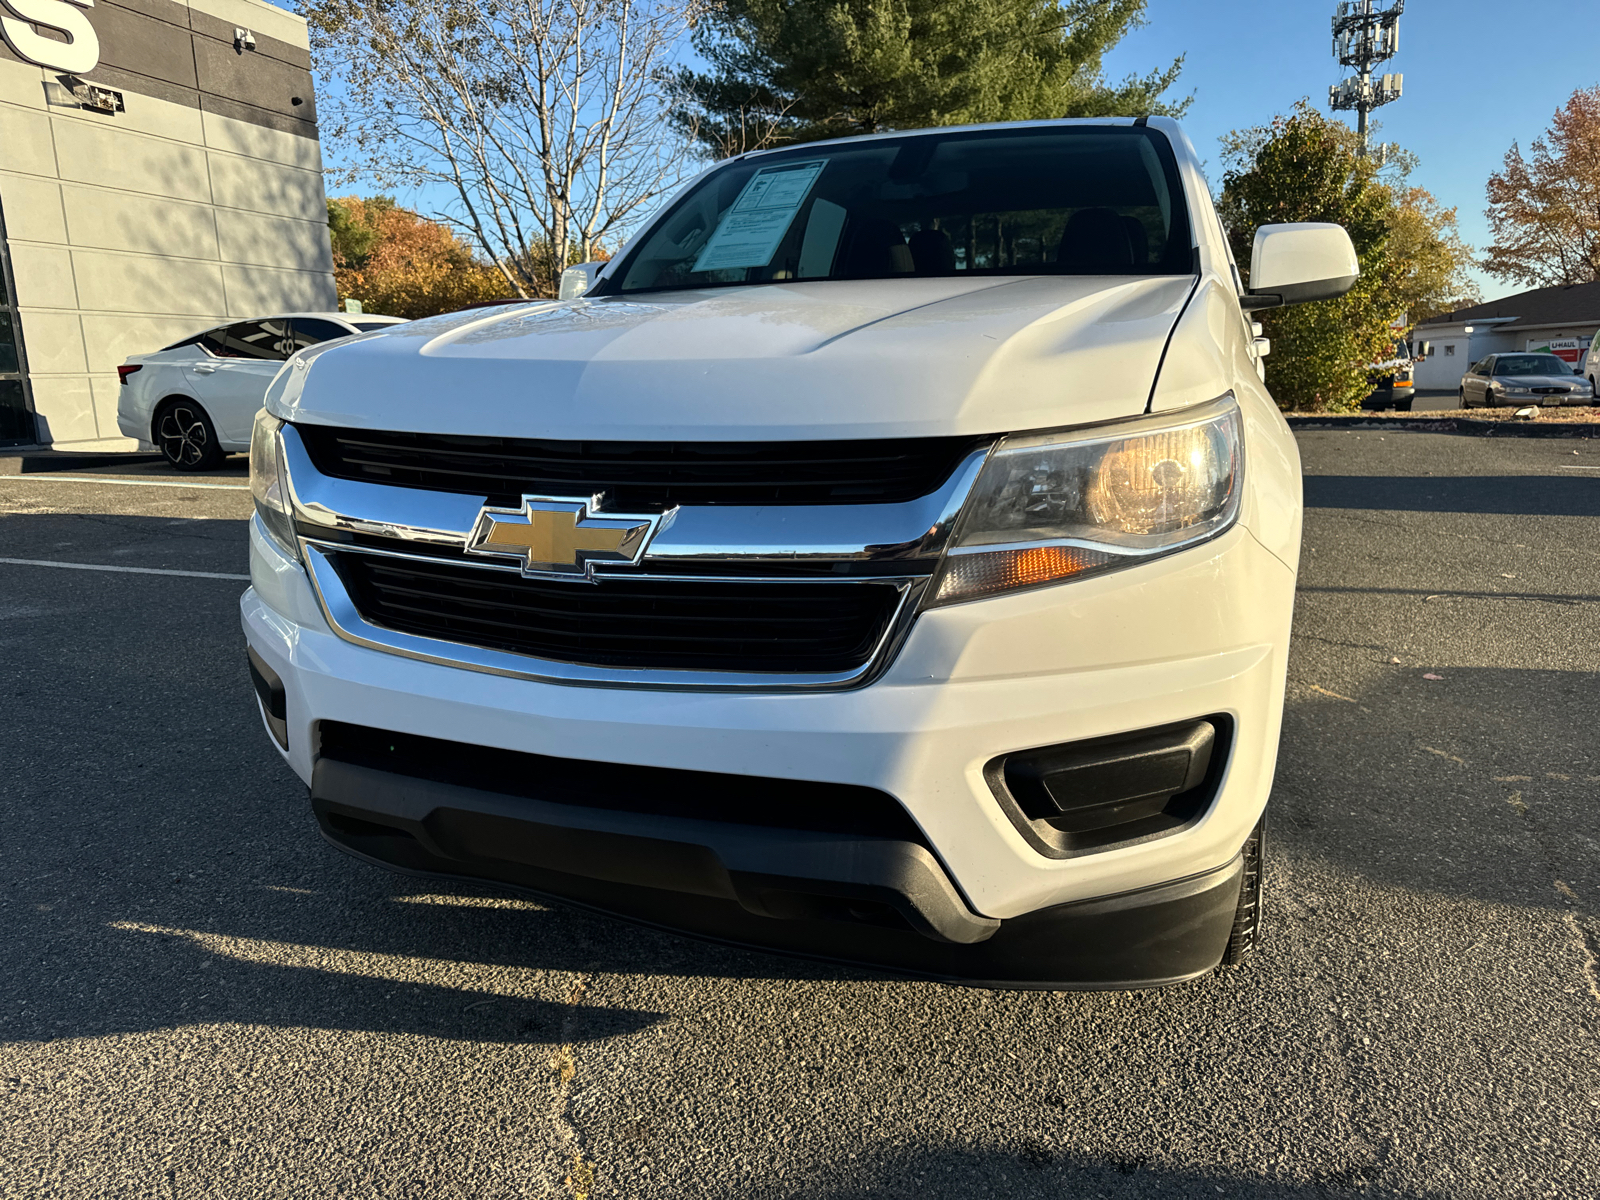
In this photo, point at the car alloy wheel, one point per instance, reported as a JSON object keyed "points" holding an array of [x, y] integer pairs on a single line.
{"points": [[186, 437]]}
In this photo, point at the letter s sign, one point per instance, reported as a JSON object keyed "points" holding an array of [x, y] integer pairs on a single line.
{"points": [[80, 53]]}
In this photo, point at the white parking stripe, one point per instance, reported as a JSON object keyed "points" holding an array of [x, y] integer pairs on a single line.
{"points": [[40, 562], [221, 487]]}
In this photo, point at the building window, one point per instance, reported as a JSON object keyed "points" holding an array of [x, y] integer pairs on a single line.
{"points": [[1450, 350], [16, 422]]}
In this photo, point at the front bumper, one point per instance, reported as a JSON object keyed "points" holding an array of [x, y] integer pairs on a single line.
{"points": [[1199, 633]]}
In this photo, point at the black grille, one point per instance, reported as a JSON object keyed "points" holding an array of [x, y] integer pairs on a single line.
{"points": [[642, 473], [640, 623], [660, 791]]}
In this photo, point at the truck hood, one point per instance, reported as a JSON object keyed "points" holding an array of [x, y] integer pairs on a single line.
{"points": [[874, 358]]}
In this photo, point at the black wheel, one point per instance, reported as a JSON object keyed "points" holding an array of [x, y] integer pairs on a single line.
{"points": [[1402, 406], [1247, 917], [187, 437], [1461, 395]]}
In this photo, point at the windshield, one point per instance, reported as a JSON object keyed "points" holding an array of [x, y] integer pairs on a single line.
{"points": [[1530, 364], [1093, 200], [369, 326]]}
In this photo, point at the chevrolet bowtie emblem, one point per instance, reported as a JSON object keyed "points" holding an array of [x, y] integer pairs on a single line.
{"points": [[561, 537]]}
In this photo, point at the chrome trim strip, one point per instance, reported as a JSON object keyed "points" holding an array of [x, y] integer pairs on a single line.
{"points": [[350, 625], [889, 533], [479, 564]]}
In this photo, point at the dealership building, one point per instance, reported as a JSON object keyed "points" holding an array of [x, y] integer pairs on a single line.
{"points": [[159, 173]]}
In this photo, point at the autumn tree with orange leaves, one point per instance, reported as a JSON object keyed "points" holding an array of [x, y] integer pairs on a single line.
{"points": [[1545, 210], [403, 265]]}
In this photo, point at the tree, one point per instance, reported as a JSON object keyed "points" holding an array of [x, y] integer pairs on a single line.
{"points": [[785, 71], [1305, 167], [403, 265], [1428, 259], [542, 119], [1546, 213]]}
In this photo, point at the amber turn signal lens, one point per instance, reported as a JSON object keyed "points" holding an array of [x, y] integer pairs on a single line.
{"points": [[970, 575]]}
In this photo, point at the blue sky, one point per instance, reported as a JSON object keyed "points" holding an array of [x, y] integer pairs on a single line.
{"points": [[1478, 76]]}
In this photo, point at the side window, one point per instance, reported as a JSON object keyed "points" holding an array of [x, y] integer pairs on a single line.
{"points": [[308, 331], [251, 339], [216, 341]]}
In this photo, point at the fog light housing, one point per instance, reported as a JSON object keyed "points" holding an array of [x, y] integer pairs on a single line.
{"points": [[1083, 796]]}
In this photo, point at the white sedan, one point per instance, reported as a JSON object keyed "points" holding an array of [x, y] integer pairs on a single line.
{"points": [[196, 399]]}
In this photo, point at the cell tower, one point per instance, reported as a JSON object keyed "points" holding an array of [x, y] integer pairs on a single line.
{"points": [[1363, 37]]}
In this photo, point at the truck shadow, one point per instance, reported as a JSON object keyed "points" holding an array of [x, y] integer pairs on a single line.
{"points": [[1039, 1166], [1575, 495]]}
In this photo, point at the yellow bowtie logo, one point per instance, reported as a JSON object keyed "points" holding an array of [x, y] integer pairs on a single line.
{"points": [[559, 537]]}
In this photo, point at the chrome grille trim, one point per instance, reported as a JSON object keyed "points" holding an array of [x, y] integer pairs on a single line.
{"points": [[348, 623], [898, 544], [913, 532]]}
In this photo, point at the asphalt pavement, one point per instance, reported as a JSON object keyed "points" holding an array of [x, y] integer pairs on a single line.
{"points": [[200, 998]]}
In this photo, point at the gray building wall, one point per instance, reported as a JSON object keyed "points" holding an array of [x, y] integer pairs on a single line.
{"points": [[201, 201]]}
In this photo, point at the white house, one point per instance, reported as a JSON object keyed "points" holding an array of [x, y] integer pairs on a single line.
{"points": [[1561, 319]]}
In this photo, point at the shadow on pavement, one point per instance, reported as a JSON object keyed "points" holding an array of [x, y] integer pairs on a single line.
{"points": [[1038, 1168], [1439, 785], [1511, 495]]}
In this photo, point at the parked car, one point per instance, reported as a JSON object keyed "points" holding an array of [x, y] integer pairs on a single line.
{"points": [[1503, 380], [889, 557], [196, 399]]}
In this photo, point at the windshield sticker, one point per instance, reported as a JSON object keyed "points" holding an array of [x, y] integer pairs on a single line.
{"points": [[751, 231]]}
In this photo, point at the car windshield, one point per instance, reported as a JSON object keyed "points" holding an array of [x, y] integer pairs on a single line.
{"points": [[1055, 200], [1530, 364]]}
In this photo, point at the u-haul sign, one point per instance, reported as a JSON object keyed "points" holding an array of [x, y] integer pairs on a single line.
{"points": [[1568, 349], [78, 54]]}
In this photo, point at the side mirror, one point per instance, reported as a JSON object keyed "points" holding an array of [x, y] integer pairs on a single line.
{"points": [[1295, 263], [575, 281]]}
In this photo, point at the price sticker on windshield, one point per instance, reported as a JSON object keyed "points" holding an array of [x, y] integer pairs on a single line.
{"points": [[752, 229]]}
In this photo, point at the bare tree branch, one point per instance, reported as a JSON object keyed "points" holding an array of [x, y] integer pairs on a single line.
{"points": [[545, 120]]}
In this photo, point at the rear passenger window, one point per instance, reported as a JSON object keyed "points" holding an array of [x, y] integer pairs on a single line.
{"points": [[251, 339], [308, 331]]}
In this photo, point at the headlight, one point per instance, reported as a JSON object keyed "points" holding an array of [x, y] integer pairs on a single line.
{"points": [[268, 484], [1074, 502]]}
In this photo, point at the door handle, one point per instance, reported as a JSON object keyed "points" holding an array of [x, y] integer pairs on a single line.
{"points": [[205, 368]]}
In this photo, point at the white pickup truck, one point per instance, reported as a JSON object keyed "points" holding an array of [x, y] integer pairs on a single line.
{"points": [[888, 558]]}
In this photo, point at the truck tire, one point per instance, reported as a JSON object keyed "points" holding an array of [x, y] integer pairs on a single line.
{"points": [[1247, 918]]}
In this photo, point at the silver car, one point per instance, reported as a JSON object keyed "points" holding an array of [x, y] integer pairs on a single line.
{"points": [[1503, 380]]}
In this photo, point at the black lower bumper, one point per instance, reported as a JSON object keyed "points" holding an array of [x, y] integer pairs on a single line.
{"points": [[877, 902]]}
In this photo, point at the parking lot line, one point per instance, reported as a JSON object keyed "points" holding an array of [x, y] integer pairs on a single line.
{"points": [[172, 483], [40, 562]]}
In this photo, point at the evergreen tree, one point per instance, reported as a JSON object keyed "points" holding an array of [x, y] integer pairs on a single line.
{"points": [[784, 71]]}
